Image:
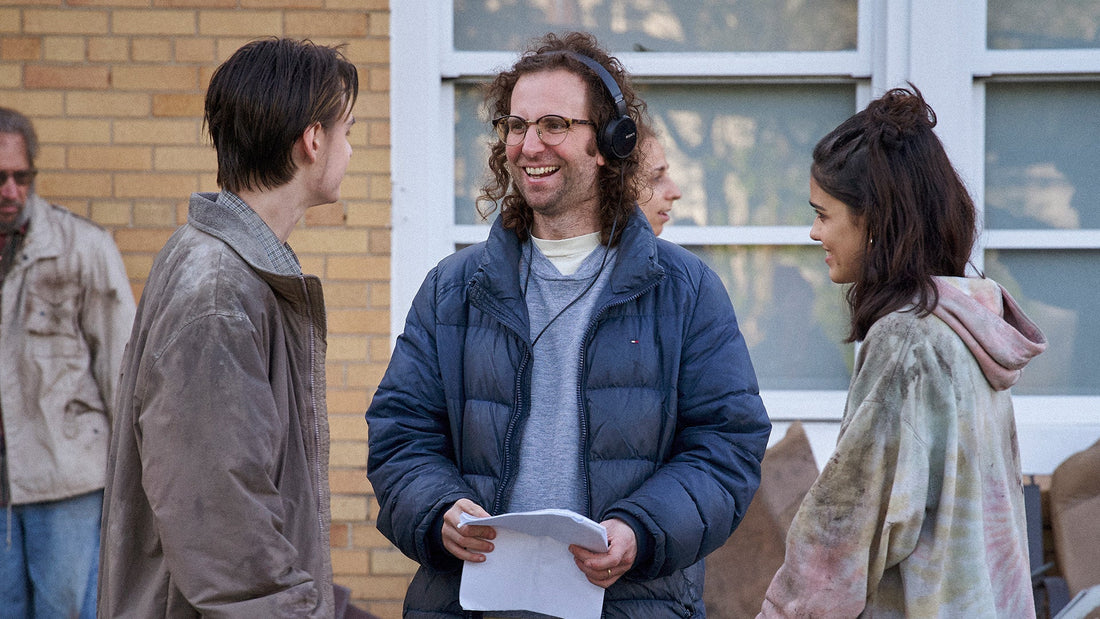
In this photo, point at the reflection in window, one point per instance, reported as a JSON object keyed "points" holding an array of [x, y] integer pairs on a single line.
{"points": [[1042, 155], [740, 153], [661, 25], [1045, 24], [794, 319], [1057, 289], [473, 138]]}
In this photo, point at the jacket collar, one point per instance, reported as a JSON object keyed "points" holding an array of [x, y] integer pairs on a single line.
{"points": [[635, 267], [205, 214], [42, 241], [213, 219]]}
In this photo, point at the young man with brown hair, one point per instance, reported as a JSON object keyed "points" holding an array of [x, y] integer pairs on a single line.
{"points": [[217, 500]]}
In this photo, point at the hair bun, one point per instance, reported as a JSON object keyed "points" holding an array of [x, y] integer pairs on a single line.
{"points": [[899, 113]]}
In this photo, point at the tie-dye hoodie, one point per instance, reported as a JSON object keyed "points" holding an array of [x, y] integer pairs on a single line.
{"points": [[920, 511]]}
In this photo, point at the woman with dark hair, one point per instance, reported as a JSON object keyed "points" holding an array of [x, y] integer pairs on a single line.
{"points": [[919, 512]]}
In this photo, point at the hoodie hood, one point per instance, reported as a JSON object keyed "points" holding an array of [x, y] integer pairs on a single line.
{"points": [[992, 325]]}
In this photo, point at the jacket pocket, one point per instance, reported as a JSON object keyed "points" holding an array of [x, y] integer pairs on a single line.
{"points": [[52, 308], [85, 422]]}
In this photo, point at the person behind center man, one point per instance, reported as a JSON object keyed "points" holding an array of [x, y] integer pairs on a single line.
{"points": [[659, 190]]}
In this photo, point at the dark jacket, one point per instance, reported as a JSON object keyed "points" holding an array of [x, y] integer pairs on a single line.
{"points": [[217, 500], [672, 418]]}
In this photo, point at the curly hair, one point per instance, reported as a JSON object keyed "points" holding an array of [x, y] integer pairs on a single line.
{"points": [[889, 167], [618, 179]]}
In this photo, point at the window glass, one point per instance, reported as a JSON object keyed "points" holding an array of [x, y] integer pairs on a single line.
{"points": [[1042, 155], [1045, 24], [740, 153], [660, 25], [1057, 289], [473, 137], [794, 319]]}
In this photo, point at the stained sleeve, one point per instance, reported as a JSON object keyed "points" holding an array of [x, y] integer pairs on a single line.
{"points": [[864, 513]]}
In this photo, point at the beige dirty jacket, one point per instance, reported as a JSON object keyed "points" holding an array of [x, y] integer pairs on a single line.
{"points": [[66, 310], [217, 498]]}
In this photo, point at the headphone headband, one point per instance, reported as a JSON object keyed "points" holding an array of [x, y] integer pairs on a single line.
{"points": [[608, 81], [617, 139]]}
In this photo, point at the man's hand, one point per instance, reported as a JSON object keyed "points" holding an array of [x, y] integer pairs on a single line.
{"points": [[468, 542], [603, 569]]}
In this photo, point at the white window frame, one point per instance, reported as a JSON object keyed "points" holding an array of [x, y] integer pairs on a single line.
{"points": [[898, 41]]}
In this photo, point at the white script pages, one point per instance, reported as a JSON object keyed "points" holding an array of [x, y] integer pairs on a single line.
{"points": [[531, 568]]}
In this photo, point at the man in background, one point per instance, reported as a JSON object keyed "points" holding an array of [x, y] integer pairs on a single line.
{"points": [[66, 309], [217, 500]]}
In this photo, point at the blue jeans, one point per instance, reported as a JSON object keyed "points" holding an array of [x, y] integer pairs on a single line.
{"points": [[49, 567]]}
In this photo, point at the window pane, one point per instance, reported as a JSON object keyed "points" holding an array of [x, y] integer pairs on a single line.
{"points": [[473, 136], [1042, 155], [1045, 24], [1057, 289], [660, 25], [793, 317], [740, 153]]}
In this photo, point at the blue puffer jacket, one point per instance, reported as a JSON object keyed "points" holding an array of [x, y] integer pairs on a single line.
{"points": [[671, 414]]}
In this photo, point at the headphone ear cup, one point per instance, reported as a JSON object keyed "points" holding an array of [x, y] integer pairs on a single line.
{"points": [[618, 138]]}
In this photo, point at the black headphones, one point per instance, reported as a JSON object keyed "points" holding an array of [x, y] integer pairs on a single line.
{"points": [[617, 138]]}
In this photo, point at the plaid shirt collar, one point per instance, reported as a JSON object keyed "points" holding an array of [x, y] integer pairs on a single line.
{"points": [[280, 254]]}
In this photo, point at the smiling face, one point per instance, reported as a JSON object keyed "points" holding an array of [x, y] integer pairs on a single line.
{"points": [[558, 182], [842, 235], [663, 191]]}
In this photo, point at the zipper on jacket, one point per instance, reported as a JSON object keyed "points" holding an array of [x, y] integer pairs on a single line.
{"points": [[313, 405], [519, 405], [481, 300]]}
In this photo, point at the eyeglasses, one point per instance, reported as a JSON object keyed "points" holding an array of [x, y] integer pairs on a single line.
{"points": [[551, 128], [23, 178]]}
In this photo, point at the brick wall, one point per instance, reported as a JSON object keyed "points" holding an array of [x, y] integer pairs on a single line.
{"points": [[115, 88]]}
